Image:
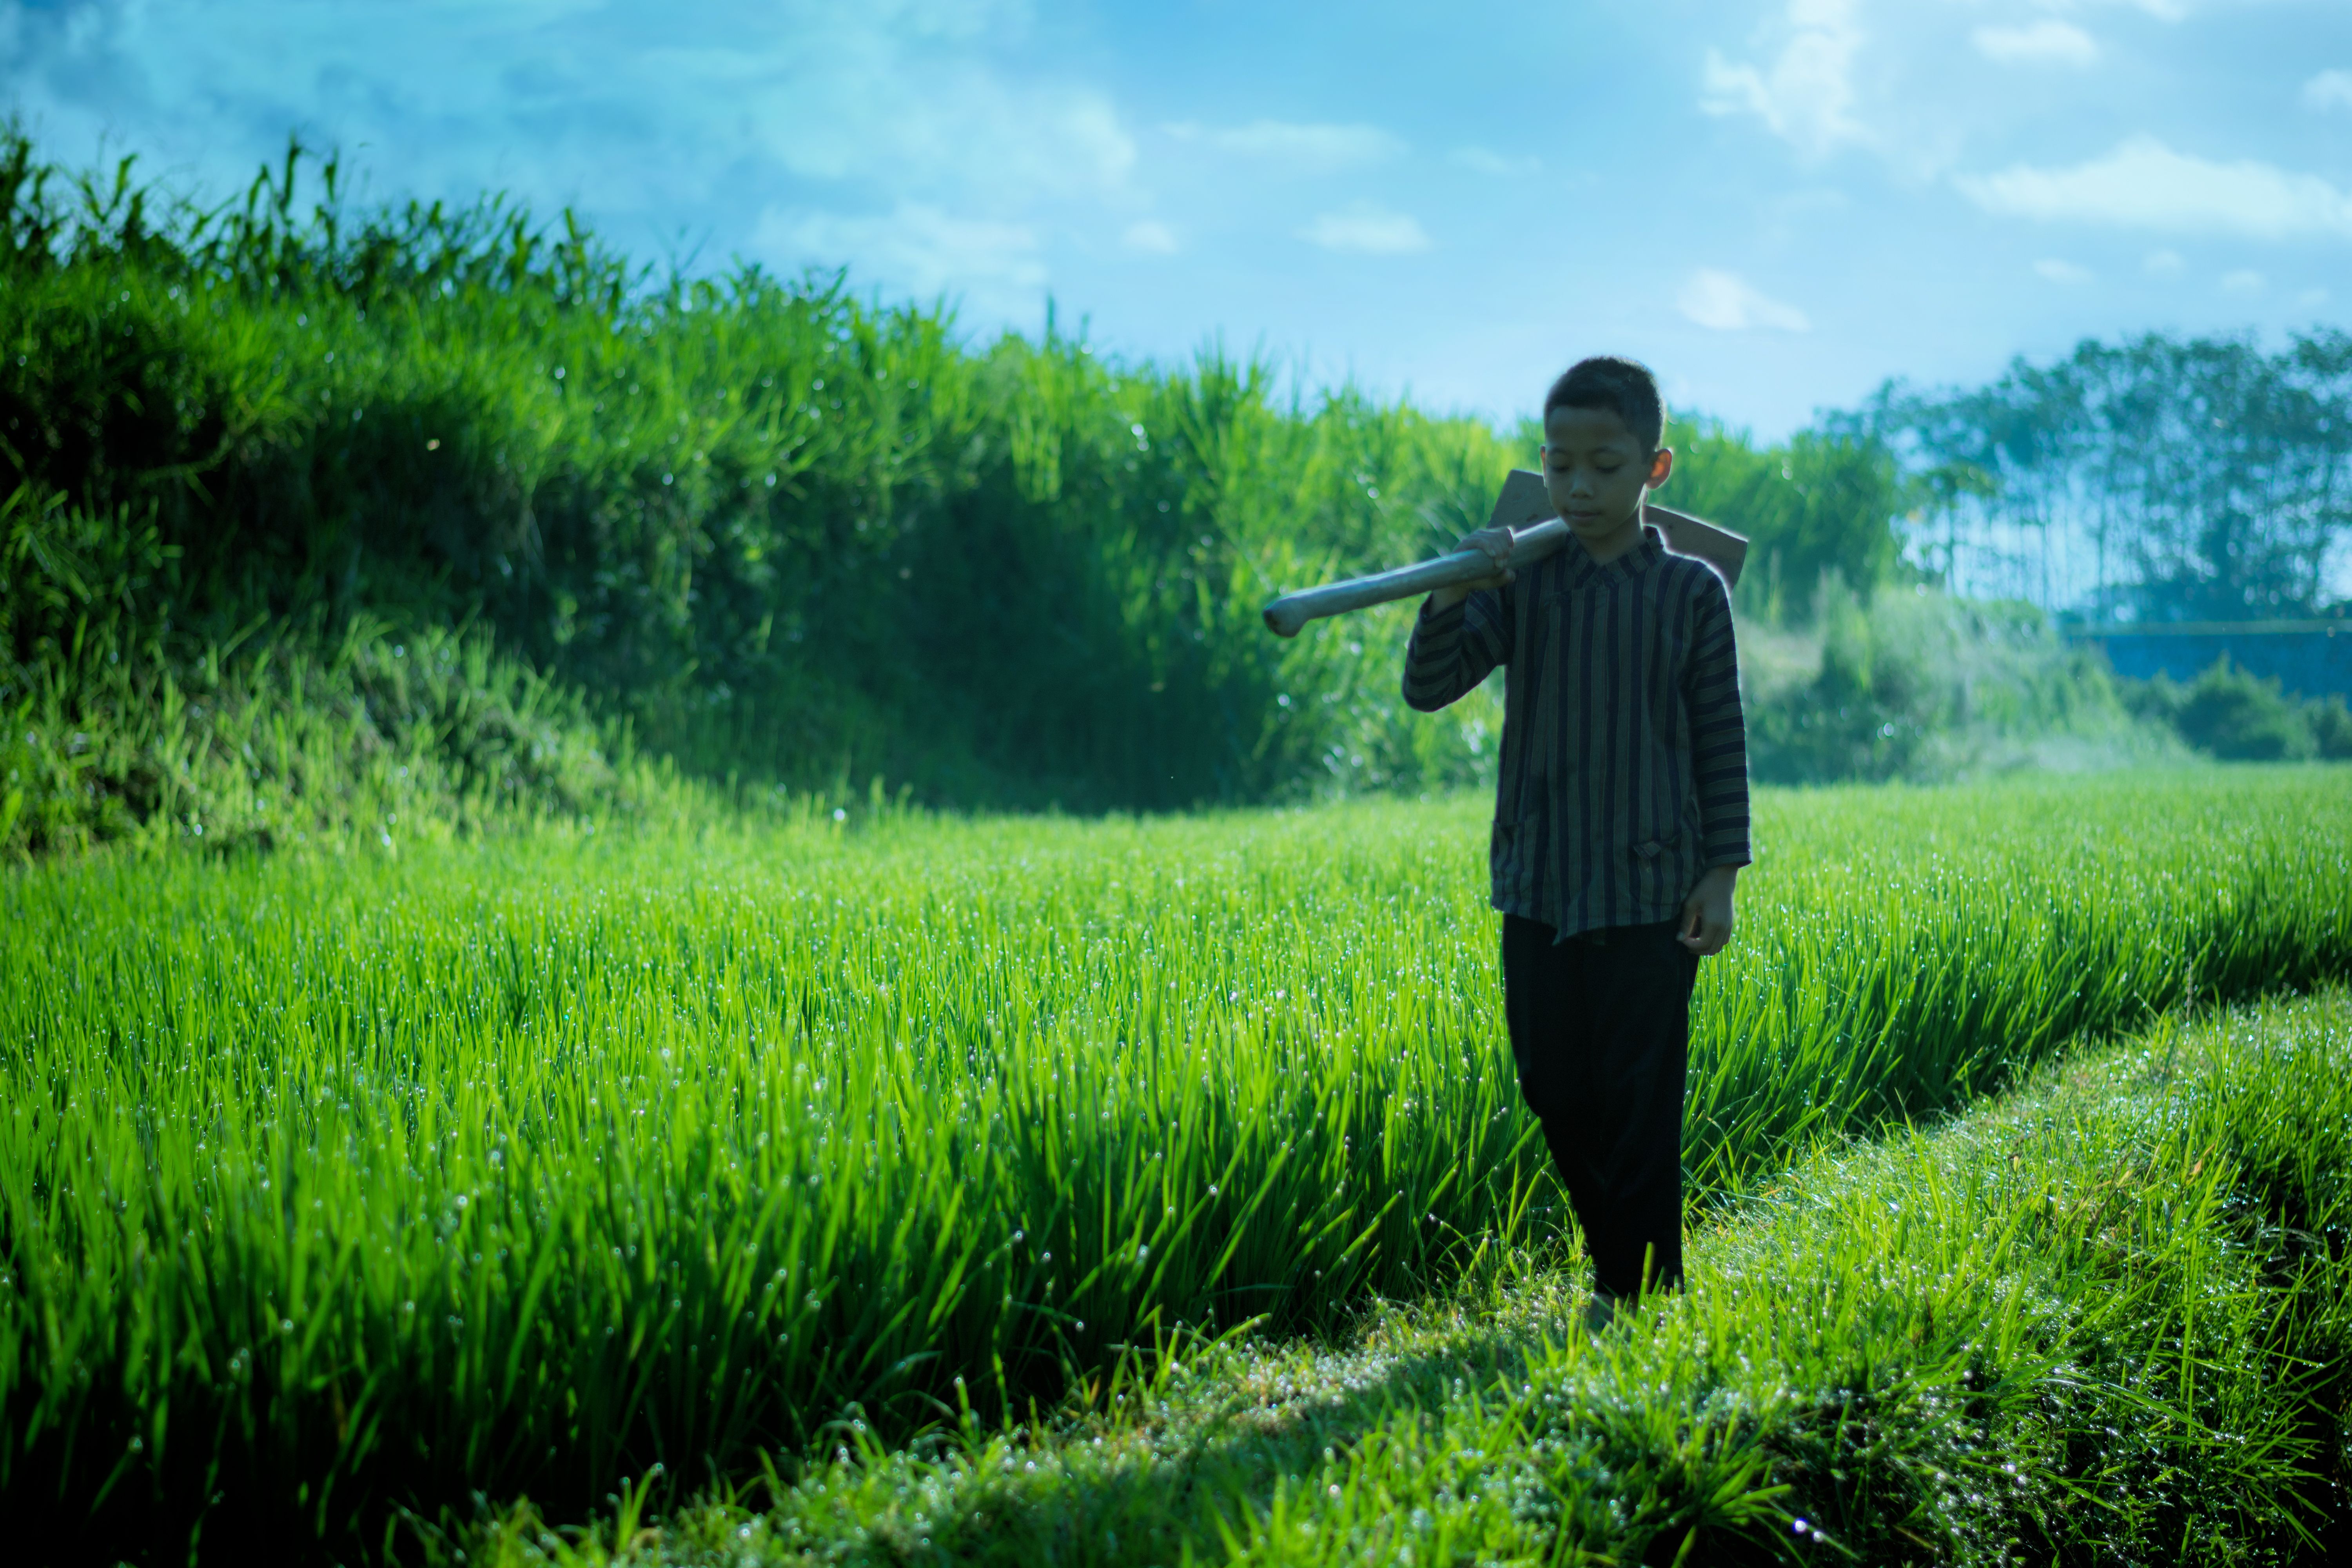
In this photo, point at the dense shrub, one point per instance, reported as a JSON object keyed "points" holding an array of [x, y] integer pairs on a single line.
{"points": [[2230, 713], [2331, 728], [1911, 684], [783, 533], [374, 739]]}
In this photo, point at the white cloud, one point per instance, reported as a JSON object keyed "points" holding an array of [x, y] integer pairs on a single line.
{"points": [[2043, 43], [2329, 89], [1306, 148], [2143, 184], [2312, 297], [2059, 271], [1486, 160], [1367, 229], [966, 128], [1806, 95], [2164, 263], [1150, 237], [1728, 302], [2245, 280], [2162, 10], [695, 119], [917, 247]]}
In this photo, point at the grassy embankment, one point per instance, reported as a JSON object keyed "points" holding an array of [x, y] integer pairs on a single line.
{"points": [[781, 530], [766, 528], [333, 1188]]}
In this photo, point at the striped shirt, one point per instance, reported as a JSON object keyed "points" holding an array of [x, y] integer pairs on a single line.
{"points": [[1623, 774]]}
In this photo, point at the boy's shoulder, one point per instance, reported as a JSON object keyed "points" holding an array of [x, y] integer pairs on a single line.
{"points": [[1686, 575], [1667, 573]]}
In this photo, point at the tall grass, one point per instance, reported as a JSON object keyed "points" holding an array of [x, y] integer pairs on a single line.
{"points": [[327, 1187], [785, 530], [374, 736]]}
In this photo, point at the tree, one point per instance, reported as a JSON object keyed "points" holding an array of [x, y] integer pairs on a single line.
{"points": [[1825, 502], [2208, 479]]}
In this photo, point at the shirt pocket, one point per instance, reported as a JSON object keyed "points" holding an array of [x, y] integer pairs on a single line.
{"points": [[1659, 856], [1662, 869]]}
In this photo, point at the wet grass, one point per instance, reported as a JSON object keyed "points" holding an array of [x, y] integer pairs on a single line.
{"points": [[2102, 1319], [335, 1187]]}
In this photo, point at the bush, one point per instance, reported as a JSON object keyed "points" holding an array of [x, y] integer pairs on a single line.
{"points": [[1911, 684], [2158, 699], [118, 725], [2228, 712], [2331, 728], [2231, 714], [782, 531]]}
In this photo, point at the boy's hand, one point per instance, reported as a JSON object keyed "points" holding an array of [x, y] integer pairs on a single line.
{"points": [[1707, 913], [1495, 541]]}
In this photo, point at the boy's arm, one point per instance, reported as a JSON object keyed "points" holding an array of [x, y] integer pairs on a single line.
{"points": [[1718, 729], [1455, 648], [1461, 637], [1718, 734]]}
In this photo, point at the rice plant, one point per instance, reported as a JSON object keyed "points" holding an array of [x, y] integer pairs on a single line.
{"points": [[333, 1185], [2096, 1319]]}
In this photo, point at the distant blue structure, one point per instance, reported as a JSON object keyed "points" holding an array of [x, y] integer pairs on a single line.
{"points": [[2313, 658]]}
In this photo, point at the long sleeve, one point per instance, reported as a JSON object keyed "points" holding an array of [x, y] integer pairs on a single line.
{"points": [[1453, 650], [1719, 731]]}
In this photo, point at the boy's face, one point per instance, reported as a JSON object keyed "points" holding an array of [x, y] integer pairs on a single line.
{"points": [[1596, 470]]}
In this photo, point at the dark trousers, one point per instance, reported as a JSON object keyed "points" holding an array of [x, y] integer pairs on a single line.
{"points": [[1600, 1030]]}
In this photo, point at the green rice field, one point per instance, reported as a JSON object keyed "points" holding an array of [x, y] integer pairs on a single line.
{"points": [[2103, 1317], [336, 1190]]}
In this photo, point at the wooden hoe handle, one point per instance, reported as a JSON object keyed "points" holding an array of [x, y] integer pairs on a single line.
{"points": [[1537, 532]]}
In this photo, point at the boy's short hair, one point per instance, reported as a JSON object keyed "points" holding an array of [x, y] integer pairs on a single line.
{"points": [[1623, 387]]}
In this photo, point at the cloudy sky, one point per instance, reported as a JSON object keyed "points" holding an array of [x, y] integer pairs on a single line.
{"points": [[1777, 202]]}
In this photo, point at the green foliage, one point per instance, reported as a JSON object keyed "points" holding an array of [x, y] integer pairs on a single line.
{"points": [[783, 532], [1823, 505], [775, 531], [269, 736], [1908, 683], [2230, 712], [2331, 728], [521, 1166], [2207, 476], [380, 738]]}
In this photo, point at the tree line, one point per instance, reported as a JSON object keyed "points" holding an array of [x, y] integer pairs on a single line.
{"points": [[2189, 478]]}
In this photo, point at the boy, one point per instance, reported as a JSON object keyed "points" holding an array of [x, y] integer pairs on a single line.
{"points": [[1621, 813]]}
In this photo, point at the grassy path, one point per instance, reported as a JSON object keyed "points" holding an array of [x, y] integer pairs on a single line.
{"points": [[2103, 1318]]}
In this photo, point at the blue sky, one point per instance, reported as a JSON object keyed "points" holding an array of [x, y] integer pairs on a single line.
{"points": [[1777, 202]]}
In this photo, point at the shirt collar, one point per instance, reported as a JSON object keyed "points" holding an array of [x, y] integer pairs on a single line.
{"points": [[1633, 564]]}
